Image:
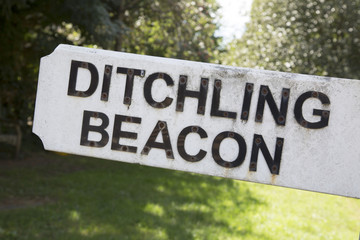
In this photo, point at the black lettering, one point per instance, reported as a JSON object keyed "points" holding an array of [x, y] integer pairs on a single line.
{"points": [[216, 103], [117, 133], [201, 95], [273, 164], [181, 143], [249, 88], [324, 114], [216, 149], [86, 128], [106, 83], [147, 90], [130, 73], [265, 95], [165, 145], [75, 65]]}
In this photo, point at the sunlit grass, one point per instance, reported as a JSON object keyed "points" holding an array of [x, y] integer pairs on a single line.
{"points": [[71, 197], [298, 214]]}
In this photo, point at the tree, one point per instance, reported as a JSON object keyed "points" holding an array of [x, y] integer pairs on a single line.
{"points": [[31, 29], [181, 29], [304, 36]]}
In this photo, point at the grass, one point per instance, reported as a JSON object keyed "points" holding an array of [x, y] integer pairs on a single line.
{"points": [[49, 196]]}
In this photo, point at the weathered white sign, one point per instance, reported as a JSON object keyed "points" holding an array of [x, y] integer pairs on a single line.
{"points": [[284, 129]]}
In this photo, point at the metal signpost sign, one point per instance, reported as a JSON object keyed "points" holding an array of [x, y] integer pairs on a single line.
{"points": [[283, 129]]}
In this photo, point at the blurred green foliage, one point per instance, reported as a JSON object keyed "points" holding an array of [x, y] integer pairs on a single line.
{"points": [[320, 37], [31, 29], [309, 36]]}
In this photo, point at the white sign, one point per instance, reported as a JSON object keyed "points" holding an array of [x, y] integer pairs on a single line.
{"points": [[283, 129]]}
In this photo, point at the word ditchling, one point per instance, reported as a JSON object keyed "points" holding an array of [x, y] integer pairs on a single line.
{"points": [[258, 143]]}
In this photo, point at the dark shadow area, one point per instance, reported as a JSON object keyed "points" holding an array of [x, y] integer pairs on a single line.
{"points": [[27, 144]]}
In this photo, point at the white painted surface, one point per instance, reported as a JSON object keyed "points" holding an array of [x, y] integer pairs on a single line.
{"points": [[324, 160]]}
